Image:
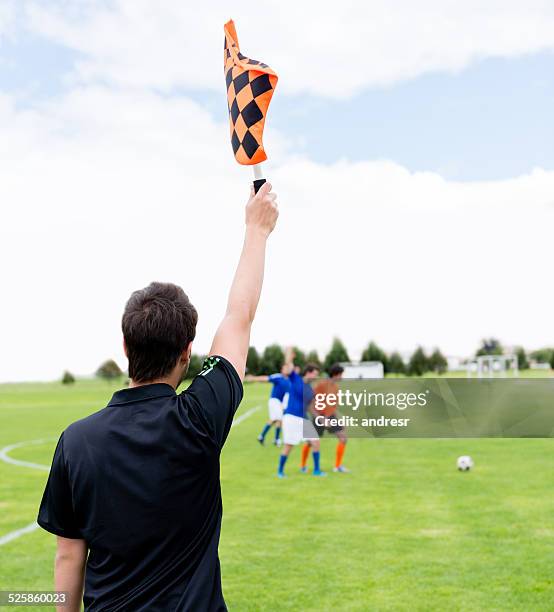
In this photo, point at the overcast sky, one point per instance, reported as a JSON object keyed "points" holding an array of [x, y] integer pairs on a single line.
{"points": [[410, 144]]}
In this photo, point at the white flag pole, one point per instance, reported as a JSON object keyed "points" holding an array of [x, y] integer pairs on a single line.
{"points": [[258, 177]]}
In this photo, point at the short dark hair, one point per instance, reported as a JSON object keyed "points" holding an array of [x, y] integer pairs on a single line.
{"points": [[158, 323], [335, 370], [310, 367]]}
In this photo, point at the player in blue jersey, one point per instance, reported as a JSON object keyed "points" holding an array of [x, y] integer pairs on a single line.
{"points": [[296, 427], [280, 387]]}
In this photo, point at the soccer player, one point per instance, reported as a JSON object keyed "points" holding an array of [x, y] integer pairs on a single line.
{"points": [[296, 427], [323, 388], [134, 494], [280, 388]]}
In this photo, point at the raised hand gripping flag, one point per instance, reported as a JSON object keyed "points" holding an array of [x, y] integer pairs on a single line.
{"points": [[250, 87]]}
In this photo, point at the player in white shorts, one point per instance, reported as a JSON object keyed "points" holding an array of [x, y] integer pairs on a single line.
{"points": [[296, 427], [277, 402]]}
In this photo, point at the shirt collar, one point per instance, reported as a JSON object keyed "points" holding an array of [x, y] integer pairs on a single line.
{"points": [[142, 393]]}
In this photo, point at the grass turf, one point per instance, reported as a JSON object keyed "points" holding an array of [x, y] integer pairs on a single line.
{"points": [[403, 531]]}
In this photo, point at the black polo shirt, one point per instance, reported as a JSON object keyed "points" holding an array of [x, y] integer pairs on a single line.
{"points": [[139, 482]]}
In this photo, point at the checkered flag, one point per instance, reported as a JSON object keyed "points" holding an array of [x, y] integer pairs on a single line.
{"points": [[250, 86]]}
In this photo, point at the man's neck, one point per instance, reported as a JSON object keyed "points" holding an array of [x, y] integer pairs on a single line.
{"points": [[169, 380]]}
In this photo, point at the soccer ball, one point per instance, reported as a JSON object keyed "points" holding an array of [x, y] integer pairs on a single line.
{"points": [[464, 463]]}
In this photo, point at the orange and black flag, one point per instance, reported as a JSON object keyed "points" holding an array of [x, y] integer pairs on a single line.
{"points": [[250, 86]]}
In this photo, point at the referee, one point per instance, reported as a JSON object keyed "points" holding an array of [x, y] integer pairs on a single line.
{"points": [[133, 495]]}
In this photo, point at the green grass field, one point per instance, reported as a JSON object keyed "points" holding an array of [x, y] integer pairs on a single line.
{"points": [[403, 531]]}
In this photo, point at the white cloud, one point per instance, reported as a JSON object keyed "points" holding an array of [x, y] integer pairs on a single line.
{"points": [[7, 17], [334, 50], [104, 191]]}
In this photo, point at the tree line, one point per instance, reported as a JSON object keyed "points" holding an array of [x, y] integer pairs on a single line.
{"points": [[271, 359], [419, 363]]}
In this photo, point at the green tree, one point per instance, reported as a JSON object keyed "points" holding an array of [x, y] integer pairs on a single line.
{"points": [[489, 346], [337, 354], [374, 353], [313, 357], [253, 362], [195, 365], [419, 364], [109, 370], [396, 364], [522, 361], [552, 361], [437, 362], [272, 359], [543, 355], [68, 378], [299, 357]]}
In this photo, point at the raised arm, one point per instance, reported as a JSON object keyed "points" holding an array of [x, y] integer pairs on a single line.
{"points": [[252, 378], [289, 360], [233, 335]]}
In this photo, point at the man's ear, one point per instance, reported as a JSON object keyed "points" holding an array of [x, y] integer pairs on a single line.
{"points": [[185, 356], [125, 348]]}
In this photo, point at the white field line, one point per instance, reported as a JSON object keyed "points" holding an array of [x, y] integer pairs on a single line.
{"points": [[244, 416], [7, 459], [13, 535]]}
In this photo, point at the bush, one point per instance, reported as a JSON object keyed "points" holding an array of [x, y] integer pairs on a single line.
{"points": [[313, 357], [374, 353], [489, 346], [273, 359], [68, 378], [109, 370], [396, 364], [337, 354], [437, 362], [522, 361], [299, 358], [419, 364], [253, 362], [544, 355]]}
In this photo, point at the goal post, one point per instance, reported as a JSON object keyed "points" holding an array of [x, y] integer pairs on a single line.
{"points": [[493, 366]]}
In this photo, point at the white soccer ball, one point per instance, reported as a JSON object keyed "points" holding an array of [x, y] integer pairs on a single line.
{"points": [[464, 463]]}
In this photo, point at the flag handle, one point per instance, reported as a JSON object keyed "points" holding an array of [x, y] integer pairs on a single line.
{"points": [[258, 177]]}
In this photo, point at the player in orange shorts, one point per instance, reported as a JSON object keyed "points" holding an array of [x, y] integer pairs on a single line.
{"points": [[325, 387]]}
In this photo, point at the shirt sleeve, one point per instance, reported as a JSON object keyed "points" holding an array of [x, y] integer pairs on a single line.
{"points": [[56, 513], [273, 377], [216, 393]]}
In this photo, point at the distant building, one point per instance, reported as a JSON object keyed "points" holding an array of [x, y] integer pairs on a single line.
{"points": [[363, 369], [538, 365], [455, 364]]}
